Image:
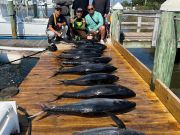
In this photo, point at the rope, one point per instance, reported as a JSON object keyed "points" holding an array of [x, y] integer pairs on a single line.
{"points": [[27, 116], [24, 57], [177, 19]]}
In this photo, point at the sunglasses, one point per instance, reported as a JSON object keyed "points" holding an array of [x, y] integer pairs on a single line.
{"points": [[90, 9]]}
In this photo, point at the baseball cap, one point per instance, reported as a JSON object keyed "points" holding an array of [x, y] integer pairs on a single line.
{"points": [[79, 10]]}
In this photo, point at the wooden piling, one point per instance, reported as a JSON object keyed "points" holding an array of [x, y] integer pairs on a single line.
{"points": [[46, 10], [12, 18], [177, 25], [35, 8], [116, 25], [165, 50]]}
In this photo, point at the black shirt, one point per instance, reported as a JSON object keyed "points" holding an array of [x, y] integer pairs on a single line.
{"points": [[65, 6], [51, 21], [81, 4], [102, 6]]}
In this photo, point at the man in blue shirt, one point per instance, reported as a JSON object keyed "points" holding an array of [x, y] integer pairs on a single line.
{"points": [[94, 22]]}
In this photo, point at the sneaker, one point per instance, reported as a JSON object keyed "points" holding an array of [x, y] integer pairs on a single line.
{"points": [[102, 41]]}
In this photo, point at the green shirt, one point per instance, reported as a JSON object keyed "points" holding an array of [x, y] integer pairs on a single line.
{"points": [[79, 24], [91, 25]]}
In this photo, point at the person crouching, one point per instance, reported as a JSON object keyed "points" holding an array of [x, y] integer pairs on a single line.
{"points": [[78, 25], [56, 27], [94, 21]]}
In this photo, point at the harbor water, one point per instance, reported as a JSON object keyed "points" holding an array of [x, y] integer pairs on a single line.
{"points": [[146, 56], [14, 74]]}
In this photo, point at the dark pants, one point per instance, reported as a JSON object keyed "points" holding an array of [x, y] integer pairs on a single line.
{"points": [[81, 33]]}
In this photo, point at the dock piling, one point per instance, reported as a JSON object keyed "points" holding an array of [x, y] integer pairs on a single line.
{"points": [[12, 15], [35, 8], [166, 45]]}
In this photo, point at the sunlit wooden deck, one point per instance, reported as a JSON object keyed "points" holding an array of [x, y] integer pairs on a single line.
{"points": [[149, 116]]}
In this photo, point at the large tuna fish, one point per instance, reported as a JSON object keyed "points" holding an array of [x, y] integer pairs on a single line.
{"points": [[90, 45], [78, 56], [91, 107], [92, 79], [100, 91], [87, 69], [120, 130], [83, 50], [87, 61]]}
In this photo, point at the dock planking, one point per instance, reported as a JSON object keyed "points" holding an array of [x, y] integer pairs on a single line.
{"points": [[24, 43], [149, 116]]}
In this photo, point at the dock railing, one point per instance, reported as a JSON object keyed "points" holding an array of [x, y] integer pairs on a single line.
{"points": [[166, 35]]}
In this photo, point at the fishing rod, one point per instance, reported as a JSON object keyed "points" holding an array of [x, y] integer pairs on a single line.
{"points": [[51, 48]]}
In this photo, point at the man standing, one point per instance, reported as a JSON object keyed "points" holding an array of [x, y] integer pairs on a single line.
{"points": [[56, 26], [81, 4], [102, 6], [94, 22]]}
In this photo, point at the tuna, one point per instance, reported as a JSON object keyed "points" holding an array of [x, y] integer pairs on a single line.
{"points": [[100, 91], [98, 47], [92, 79], [120, 130], [87, 61], [87, 69], [78, 56], [91, 107], [84, 50]]}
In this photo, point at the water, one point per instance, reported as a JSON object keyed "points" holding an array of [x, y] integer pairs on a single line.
{"points": [[13, 75], [146, 56]]}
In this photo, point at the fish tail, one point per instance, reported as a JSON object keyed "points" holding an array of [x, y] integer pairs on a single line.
{"points": [[39, 113], [55, 74], [57, 98], [61, 66]]}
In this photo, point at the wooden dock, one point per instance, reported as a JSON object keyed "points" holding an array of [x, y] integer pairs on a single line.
{"points": [[150, 115]]}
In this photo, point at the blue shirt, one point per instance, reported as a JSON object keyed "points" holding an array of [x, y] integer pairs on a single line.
{"points": [[91, 25]]}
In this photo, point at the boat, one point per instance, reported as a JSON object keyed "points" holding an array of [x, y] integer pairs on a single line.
{"points": [[27, 25]]}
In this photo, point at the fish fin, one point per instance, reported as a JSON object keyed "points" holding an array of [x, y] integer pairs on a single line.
{"points": [[43, 107], [35, 115], [61, 81], [61, 66], [57, 98], [55, 74], [118, 121], [44, 116]]}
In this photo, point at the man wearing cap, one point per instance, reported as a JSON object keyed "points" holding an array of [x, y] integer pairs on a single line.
{"points": [[94, 22], [78, 25], [56, 27]]}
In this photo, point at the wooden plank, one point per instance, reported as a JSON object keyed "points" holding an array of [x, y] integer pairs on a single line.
{"points": [[140, 68], [168, 98], [149, 116]]}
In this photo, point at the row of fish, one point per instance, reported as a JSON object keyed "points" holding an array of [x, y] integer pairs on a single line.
{"points": [[102, 99]]}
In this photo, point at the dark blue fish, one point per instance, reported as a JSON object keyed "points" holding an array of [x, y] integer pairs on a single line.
{"points": [[87, 69], [91, 107], [100, 91], [83, 61], [120, 130], [92, 79]]}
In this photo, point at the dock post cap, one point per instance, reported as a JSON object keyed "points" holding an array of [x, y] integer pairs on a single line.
{"points": [[117, 6], [170, 5]]}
